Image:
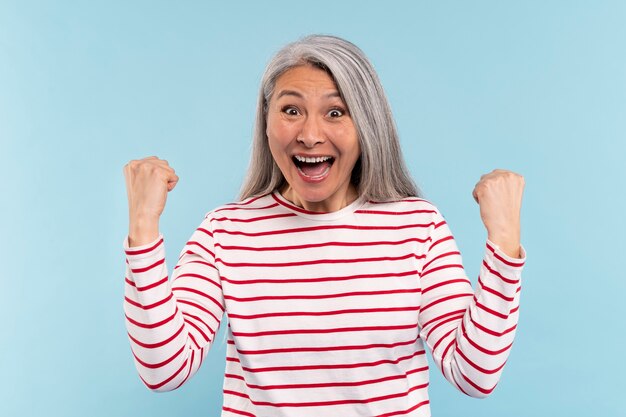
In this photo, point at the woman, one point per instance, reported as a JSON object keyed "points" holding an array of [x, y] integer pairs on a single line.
{"points": [[332, 271]]}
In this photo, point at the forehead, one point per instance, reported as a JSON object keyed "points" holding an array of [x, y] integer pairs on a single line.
{"points": [[306, 79]]}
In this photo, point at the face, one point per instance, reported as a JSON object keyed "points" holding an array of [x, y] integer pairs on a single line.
{"points": [[312, 139]]}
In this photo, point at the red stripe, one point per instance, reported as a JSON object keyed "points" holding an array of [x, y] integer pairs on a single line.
{"points": [[318, 261], [204, 248], [482, 349], [404, 200], [160, 384], [444, 299], [489, 331], [148, 306], [322, 313], [321, 279], [494, 292], [160, 364], [448, 282], [333, 366], [446, 314], [443, 255], [246, 208], [490, 311], [485, 391], [408, 410], [329, 403], [199, 307], [321, 244], [193, 339], [330, 384], [475, 366], [504, 261], [442, 338], [234, 411], [205, 295], [325, 331], [200, 277], [255, 219], [439, 268], [149, 267], [152, 325], [437, 242], [294, 207], [153, 285], [159, 344], [445, 353], [394, 213], [205, 231], [250, 200], [448, 320], [321, 296], [496, 273], [318, 228], [323, 348], [194, 262], [132, 252], [457, 384], [189, 371], [195, 326]]}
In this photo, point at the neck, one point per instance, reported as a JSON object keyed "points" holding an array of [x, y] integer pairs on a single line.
{"points": [[331, 204]]}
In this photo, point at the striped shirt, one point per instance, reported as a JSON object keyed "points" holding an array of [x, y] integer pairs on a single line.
{"points": [[329, 314]]}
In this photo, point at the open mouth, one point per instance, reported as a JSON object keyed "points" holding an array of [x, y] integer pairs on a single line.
{"points": [[313, 166]]}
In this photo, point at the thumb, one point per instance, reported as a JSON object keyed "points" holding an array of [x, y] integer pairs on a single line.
{"points": [[171, 182], [475, 196]]}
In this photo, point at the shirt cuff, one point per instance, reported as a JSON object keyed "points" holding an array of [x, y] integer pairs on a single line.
{"points": [[143, 251], [506, 265]]}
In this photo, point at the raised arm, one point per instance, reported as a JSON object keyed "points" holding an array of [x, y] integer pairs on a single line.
{"points": [[470, 333], [171, 324]]}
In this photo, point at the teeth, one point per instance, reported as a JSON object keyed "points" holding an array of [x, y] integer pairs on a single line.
{"points": [[312, 160]]}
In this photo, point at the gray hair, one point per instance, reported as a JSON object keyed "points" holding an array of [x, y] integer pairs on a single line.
{"points": [[380, 173]]}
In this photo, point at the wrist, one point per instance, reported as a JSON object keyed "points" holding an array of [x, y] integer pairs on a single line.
{"points": [[510, 245], [142, 230]]}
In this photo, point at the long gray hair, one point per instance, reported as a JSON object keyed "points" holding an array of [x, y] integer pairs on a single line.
{"points": [[380, 173]]}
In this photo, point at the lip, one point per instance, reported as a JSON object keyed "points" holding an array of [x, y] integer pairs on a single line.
{"points": [[306, 155], [314, 180]]}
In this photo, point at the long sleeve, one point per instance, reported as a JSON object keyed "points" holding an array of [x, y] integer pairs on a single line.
{"points": [[172, 323], [469, 333]]}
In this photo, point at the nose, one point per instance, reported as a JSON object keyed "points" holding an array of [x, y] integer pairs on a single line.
{"points": [[311, 133]]}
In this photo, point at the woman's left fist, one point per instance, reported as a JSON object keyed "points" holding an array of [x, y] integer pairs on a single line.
{"points": [[499, 195]]}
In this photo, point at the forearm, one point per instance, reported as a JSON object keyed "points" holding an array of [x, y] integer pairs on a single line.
{"points": [[161, 343], [474, 357]]}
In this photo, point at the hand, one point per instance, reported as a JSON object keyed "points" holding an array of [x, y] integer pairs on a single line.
{"points": [[499, 195], [148, 181]]}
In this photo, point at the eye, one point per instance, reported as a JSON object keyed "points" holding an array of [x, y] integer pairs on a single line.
{"points": [[290, 111], [336, 113]]}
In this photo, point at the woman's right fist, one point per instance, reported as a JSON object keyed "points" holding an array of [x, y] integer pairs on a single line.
{"points": [[148, 181]]}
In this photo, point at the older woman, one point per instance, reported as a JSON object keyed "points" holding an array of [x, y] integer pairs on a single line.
{"points": [[334, 274]]}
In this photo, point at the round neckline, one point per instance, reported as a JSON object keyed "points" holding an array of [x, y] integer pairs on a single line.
{"points": [[314, 215]]}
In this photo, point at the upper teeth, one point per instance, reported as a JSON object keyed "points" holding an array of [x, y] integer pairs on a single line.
{"points": [[312, 160]]}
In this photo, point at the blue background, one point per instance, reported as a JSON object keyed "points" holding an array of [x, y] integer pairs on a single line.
{"points": [[536, 87]]}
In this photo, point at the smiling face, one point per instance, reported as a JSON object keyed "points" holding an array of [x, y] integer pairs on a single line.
{"points": [[312, 139]]}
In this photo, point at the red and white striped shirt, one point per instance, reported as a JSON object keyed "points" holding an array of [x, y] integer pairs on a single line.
{"points": [[328, 314]]}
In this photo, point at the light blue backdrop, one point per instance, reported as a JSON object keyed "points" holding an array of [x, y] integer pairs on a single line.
{"points": [[537, 87]]}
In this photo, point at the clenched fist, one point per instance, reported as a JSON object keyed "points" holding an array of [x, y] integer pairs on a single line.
{"points": [[148, 181], [499, 195]]}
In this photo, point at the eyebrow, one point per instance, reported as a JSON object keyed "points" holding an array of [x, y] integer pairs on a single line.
{"points": [[297, 94]]}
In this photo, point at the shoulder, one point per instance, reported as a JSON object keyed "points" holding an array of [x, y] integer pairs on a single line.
{"points": [[250, 207], [406, 206]]}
